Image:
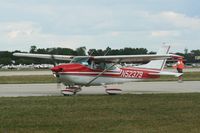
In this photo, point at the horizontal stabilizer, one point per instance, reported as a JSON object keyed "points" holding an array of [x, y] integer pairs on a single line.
{"points": [[164, 73]]}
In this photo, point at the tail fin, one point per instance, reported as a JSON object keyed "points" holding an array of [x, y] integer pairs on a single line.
{"points": [[157, 64]]}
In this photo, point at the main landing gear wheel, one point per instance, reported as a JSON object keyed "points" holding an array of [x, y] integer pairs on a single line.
{"points": [[113, 91], [70, 91]]}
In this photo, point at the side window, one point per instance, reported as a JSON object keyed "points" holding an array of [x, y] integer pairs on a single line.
{"points": [[103, 65], [110, 66], [98, 65]]}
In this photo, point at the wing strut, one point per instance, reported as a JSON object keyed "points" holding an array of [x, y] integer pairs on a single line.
{"points": [[102, 73]]}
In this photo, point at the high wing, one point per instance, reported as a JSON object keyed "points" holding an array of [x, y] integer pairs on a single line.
{"points": [[134, 58], [117, 58], [44, 56]]}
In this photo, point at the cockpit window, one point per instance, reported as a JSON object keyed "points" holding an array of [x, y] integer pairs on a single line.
{"points": [[103, 65], [89, 62]]}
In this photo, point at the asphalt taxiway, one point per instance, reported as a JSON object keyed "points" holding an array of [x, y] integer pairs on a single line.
{"points": [[15, 90]]}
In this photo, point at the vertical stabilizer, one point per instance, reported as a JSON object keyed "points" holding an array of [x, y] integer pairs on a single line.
{"points": [[157, 64]]}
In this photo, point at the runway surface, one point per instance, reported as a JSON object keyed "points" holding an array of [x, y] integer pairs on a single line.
{"points": [[15, 90]]}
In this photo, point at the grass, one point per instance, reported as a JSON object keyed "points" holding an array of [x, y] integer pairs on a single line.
{"points": [[188, 76], [23, 69], [173, 113], [25, 79]]}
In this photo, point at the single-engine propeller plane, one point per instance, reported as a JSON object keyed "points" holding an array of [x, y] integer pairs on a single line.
{"points": [[103, 70]]}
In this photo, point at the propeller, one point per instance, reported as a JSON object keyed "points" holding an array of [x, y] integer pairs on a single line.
{"points": [[58, 82], [56, 74], [53, 60]]}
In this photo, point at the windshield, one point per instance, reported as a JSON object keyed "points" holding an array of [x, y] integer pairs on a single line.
{"points": [[82, 60]]}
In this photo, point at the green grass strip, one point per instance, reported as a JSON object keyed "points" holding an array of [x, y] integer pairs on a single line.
{"points": [[149, 113], [26, 79]]}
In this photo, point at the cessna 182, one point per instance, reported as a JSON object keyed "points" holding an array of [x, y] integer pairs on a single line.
{"points": [[103, 70]]}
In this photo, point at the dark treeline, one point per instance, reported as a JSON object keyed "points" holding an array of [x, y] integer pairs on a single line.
{"points": [[6, 57], [124, 51]]}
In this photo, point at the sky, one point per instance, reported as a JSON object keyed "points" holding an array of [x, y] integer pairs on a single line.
{"points": [[99, 24]]}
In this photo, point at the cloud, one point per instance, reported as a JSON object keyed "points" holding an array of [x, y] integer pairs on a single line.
{"points": [[181, 20], [25, 33], [17, 30], [96, 24], [165, 33], [177, 20], [115, 33]]}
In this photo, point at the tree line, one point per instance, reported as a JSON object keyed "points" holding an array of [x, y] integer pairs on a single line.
{"points": [[7, 57]]}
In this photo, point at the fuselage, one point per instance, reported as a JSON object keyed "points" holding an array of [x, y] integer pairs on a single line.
{"points": [[81, 74]]}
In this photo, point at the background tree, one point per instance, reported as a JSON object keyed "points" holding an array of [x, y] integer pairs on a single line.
{"points": [[6, 57], [33, 49], [81, 51]]}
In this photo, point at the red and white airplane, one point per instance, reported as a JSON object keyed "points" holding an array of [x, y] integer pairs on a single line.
{"points": [[103, 70]]}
